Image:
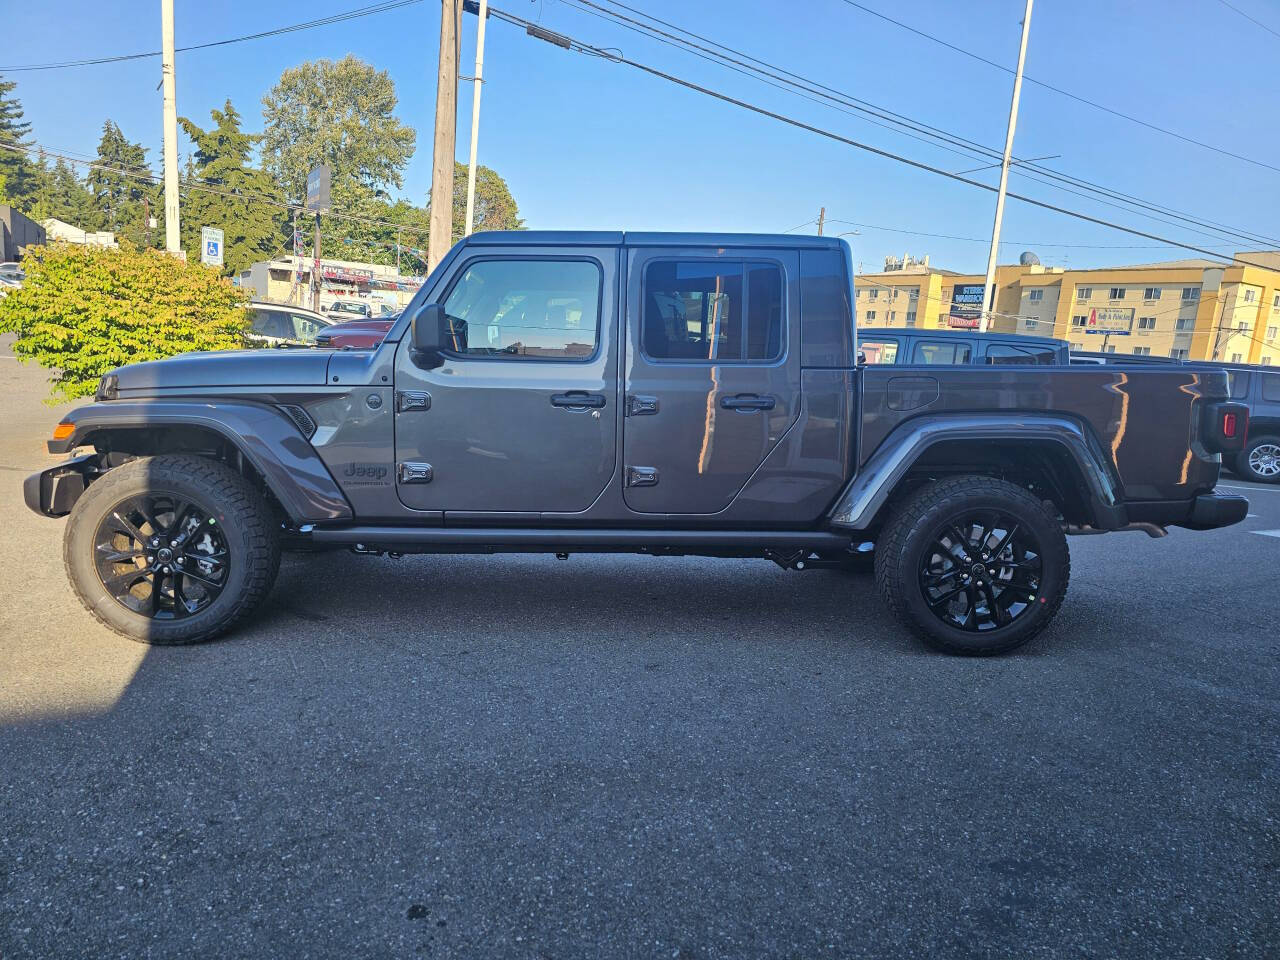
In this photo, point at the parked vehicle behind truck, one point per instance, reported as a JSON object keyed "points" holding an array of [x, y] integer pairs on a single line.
{"points": [[652, 393]]}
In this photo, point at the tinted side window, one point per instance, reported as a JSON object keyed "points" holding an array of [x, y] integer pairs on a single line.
{"points": [[544, 309], [1003, 353], [304, 328], [879, 351], [712, 311], [1237, 384], [272, 323], [1270, 386], [947, 353]]}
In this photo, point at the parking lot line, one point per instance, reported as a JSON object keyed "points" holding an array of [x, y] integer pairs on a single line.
{"points": [[1266, 533], [1229, 486]]}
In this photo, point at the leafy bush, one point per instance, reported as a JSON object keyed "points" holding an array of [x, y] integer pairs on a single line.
{"points": [[83, 311]]}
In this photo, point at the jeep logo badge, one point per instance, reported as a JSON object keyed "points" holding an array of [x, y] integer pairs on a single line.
{"points": [[365, 474]]}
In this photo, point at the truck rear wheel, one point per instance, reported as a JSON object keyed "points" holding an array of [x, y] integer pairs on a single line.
{"points": [[974, 565], [171, 549], [1260, 460]]}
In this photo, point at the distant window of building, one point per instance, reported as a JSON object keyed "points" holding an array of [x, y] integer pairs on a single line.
{"points": [[1151, 293], [893, 315], [1117, 293], [1237, 357], [1084, 293], [1109, 349], [1035, 295], [1276, 302], [874, 294], [1142, 351], [1271, 333], [1179, 354], [911, 318], [1190, 293], [1250, 296], [1242, 327], [1146, 323], [1185, 323], [871, 314], [914, 294], [1079, 320], [1266, 362]]}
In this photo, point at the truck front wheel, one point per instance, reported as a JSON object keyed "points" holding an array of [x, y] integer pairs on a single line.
{"points": [[171, 549], [974, 565]]}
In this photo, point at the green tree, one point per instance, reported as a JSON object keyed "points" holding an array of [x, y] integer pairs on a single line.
{"points": [[19, 174], [341, 113], [83, 311], [120, 186], [495, 207], [224, 190], [63, 195]]}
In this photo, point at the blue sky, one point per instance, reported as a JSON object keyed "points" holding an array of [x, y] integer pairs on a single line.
{"points": [[585, 143]]}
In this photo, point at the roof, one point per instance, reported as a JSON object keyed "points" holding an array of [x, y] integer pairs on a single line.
{"points": [[613, 238]]}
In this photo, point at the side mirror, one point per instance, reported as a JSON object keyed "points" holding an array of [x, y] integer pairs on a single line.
{"points": [[429, 330]]}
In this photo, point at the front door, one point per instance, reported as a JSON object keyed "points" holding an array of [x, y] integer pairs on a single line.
{"points": [[712, 372], [521, 416]]}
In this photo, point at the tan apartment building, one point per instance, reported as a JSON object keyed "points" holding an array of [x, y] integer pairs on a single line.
{"points": [[1192, 309]]}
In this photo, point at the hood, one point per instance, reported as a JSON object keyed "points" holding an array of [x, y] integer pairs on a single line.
{"points": [[227, 368]]}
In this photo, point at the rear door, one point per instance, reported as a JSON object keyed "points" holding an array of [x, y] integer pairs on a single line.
{"points": [[521, 415], [712, 372]]}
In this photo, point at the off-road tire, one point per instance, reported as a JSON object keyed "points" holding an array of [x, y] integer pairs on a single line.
{"points": [[245, 518], [1242, 466], [903, 541]]}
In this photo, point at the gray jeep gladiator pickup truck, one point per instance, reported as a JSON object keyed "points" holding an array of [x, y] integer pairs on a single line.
{"points": [[652, 393]]}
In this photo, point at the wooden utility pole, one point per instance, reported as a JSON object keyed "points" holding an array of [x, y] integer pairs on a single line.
{"points": [[822, 218], [441, 237]]}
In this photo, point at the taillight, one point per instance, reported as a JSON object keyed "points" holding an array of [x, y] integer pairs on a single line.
{"points": [[1226, 425], [1229, 425]]}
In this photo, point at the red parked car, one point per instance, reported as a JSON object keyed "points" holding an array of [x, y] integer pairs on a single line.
{"points": [[355, 334]]}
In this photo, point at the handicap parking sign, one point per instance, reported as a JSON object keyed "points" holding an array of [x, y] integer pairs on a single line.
{"points": [[211, 246]]}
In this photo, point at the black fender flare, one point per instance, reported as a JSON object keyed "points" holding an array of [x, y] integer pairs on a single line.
{"points": [[865, 495], [263, 434]]}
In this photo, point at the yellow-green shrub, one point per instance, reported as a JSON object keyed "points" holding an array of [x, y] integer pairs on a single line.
{"points": [[85, 310]]}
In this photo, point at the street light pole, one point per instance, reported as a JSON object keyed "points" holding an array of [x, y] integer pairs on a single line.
{"points": [[988, 289], [477, 86], [172, 236]]}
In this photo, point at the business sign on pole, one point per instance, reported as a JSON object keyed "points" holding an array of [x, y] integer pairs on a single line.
{"points": [[211, 246], [1116, 321], [318, 183], [966, 306]]}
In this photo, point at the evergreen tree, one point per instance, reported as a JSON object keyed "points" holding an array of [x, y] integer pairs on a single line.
{"points": [[63, 195], [119, 184], [223, 190], [19, 174]]}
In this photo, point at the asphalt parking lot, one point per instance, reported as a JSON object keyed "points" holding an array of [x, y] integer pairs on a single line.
{"points": [[627, 756]]}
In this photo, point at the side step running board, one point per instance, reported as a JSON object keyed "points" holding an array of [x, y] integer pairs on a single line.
{"points": [[557, 539]]}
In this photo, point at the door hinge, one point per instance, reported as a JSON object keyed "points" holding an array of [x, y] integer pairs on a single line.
{"points": [[415, 472], [642, 476], [410, 400], [639, 405]]}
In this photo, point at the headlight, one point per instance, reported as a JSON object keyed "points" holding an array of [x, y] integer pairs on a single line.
{"points": [[108, 387]]}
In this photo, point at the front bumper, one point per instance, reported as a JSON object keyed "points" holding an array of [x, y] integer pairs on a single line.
{"points": [[53, 492]]}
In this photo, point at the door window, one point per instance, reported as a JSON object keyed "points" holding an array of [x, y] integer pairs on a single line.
{"points": [[1004, 353], [879, 351], [1237, 384], [712, 311], [305, 328], [933, 352], [526, 309], [272, 323]]}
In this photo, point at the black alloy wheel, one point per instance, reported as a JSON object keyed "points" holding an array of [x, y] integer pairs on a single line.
{"points": [[162, 556], [981, 571], [975, 565]]}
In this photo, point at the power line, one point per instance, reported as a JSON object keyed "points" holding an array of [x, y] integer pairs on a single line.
{"points": [[204, 186], [1253, 20], [946, 140], [291, 28], [1015, 243], [579, 46], [1061, 92]]}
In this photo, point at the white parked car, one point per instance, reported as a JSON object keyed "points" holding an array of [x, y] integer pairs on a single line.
{"points": [[348, 310], [282, 325]]}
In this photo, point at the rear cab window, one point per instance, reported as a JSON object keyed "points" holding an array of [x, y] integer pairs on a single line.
{"points": [[1007, 353], [879, 351]]}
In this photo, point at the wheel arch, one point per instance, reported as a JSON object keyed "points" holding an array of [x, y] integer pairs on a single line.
{"points": [[256, 438], [1057, 457]]}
